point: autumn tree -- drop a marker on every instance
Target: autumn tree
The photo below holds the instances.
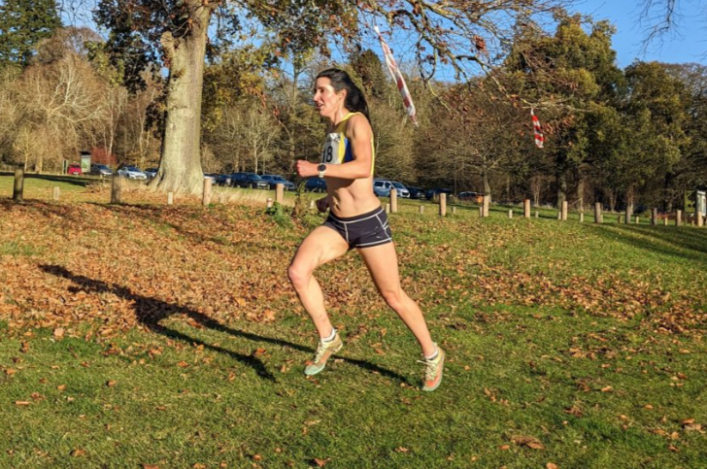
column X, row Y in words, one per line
column 573, row 75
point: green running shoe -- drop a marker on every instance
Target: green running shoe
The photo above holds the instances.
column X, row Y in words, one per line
column 324, row 351
column 433, row 371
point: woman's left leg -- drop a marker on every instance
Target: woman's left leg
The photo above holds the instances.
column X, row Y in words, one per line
column 382, row 263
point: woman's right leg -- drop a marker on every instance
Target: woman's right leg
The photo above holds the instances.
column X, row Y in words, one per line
column 321, row 246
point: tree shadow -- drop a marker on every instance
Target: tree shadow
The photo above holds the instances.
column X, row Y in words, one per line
column 150, row 311
column 682, row 242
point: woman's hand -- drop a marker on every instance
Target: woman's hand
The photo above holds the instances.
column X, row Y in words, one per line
column 323, row 204
column 306, row 169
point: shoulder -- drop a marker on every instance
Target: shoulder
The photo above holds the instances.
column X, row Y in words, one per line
column 358, row 126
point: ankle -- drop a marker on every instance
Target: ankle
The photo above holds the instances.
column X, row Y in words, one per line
column 330, row 337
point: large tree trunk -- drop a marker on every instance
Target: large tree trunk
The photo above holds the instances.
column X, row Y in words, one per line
column 180, row 164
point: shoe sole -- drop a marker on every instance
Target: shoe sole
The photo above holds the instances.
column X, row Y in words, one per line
column 319, row 370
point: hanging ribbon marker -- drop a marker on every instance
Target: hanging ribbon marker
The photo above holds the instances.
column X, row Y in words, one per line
column 539, row 138
column 397, row 78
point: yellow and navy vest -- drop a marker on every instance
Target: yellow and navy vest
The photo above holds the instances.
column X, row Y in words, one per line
column 337, row 148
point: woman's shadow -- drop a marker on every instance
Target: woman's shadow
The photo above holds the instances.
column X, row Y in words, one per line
column 150, row 312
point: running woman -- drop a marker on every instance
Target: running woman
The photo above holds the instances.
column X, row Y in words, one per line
column 356, row 220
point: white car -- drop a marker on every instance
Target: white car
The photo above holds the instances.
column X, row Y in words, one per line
column 402, row 191
column 131, row 172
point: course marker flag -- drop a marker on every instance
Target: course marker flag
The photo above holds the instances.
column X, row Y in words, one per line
column 398, row 78
column 539, row 138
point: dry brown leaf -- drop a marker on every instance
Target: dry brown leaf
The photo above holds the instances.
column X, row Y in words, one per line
column 78, row 452
column 320, row 462
column 527, row 441
column 110, row 383
column 150, row 466
column 22, row 403
column 182, row 364
column 59, row 332
column 550, row 466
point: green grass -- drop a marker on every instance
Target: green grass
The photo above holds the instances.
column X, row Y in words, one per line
column 605, row 385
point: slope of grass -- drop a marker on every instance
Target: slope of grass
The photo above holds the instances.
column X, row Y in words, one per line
column 152, row 336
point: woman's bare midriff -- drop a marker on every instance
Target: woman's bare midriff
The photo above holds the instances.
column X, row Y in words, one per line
column 349, row 198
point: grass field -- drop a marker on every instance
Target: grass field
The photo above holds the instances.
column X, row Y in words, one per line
column 148, row 336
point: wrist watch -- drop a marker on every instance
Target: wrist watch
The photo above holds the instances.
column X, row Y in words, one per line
column 322, row 169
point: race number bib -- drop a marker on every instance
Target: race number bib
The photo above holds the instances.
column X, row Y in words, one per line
column 332, row 149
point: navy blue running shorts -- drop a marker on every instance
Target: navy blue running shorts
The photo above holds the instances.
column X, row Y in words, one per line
column 362, row 231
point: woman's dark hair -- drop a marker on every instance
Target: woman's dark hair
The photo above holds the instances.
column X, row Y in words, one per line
column 340, row 80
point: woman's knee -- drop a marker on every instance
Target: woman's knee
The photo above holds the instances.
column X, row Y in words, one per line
column 299, row 275
column 394, row 298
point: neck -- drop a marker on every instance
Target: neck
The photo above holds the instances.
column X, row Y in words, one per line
column 339, row 116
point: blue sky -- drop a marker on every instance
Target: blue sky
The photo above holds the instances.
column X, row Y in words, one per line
column 687, row 44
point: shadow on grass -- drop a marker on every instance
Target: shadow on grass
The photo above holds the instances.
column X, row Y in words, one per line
column 682, row 242
column 150, row 312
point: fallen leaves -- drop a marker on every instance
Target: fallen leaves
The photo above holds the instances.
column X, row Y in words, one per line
column 527, row 441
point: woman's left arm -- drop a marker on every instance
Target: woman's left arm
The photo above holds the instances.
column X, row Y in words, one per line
column 360, row 136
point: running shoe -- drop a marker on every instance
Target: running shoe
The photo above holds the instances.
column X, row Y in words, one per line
column 324, row 351
column 433, row 371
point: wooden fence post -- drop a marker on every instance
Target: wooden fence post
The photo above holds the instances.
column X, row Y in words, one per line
column 443, row 204
column 454, row 209
column 311, row 205
column 19, row 189
column 678, row 218
column 422, row 209
column 268, row 202
column 665, row 220
column 654, row 216
column 565, row 208
column 170, row 198
column 56, row 193
column 559, row 214
column 481, row 211
column 510, row 213
column 581, row 217
column 279, row 193
column 537, row 214
column 116, row 189
column 206, row 196
column 394, row 200
column 526, row 208
column 487, row 203
column 597, row 212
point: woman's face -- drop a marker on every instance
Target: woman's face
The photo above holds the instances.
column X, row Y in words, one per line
column 327, row 101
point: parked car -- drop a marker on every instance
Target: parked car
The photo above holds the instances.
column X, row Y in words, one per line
column 151, row 172
column 402, row 191
column 433, row 193
column 248, row 180
column 469, row 196
column 223, row 179
column 315, row 184
column 382, row 187
column 274, row 179
column 416, row 192
column 74, row 170
column 101, row 170
column 131, row 172
column 211, row 176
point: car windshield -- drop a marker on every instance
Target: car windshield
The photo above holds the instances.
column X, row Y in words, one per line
column 398, row 185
